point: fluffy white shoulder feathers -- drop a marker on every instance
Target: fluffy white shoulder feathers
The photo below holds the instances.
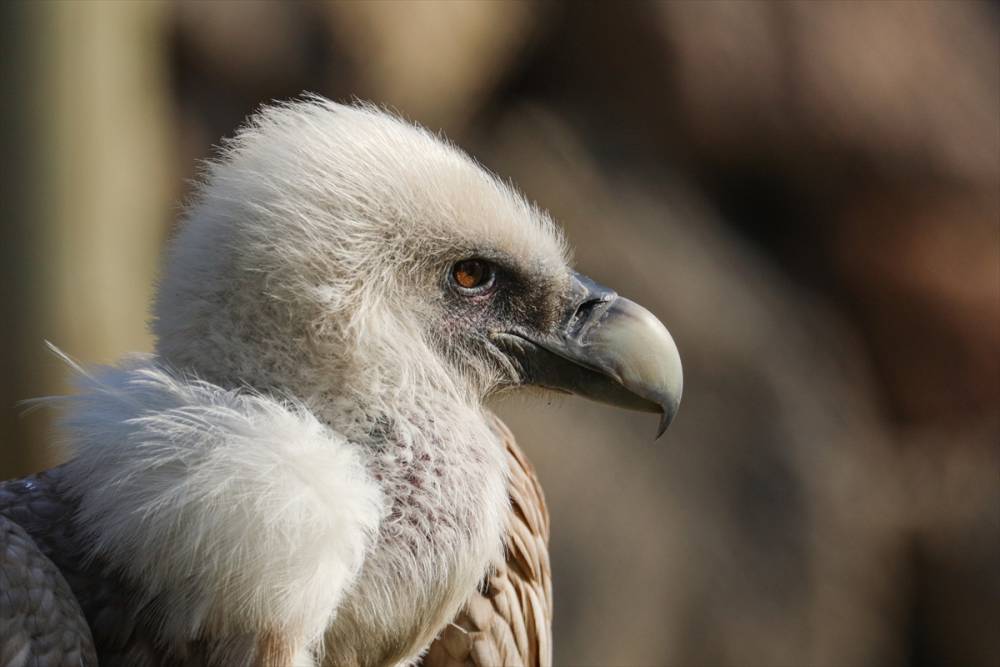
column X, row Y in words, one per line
column 219, row 500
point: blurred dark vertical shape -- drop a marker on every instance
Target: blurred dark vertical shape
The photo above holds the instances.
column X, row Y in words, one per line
column 22, row 269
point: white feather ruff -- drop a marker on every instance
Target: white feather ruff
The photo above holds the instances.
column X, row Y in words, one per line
column 239, row 512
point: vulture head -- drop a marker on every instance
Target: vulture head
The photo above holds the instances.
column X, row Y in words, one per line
column 307, row 456
column 353, row 259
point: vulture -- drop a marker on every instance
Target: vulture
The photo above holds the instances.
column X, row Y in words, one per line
column 304, row 471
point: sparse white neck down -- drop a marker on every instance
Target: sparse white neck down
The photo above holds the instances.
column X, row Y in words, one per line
column 248, row 514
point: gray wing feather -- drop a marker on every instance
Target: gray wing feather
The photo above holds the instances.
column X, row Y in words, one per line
column 41, row 623
column 105, row 607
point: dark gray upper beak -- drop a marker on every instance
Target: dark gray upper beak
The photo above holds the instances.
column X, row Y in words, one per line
column 606, row 348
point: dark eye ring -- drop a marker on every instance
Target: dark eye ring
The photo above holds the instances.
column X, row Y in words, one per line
column 472, row 276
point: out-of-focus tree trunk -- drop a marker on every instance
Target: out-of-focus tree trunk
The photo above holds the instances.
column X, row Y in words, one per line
column 83, row 199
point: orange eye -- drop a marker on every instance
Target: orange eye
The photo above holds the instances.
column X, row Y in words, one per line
column 472, row 275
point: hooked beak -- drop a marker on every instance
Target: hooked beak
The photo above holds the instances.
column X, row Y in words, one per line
column 605, row 348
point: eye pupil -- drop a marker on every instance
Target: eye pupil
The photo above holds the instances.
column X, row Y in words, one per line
column 471, row 274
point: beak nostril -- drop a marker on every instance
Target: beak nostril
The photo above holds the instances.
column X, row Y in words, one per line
column 583, row 314
column 584, row 308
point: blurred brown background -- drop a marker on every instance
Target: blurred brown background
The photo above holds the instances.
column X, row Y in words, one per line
column 807, row 193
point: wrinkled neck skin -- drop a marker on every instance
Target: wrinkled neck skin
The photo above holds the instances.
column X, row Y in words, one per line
column 443, row 472
column 444, row 475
